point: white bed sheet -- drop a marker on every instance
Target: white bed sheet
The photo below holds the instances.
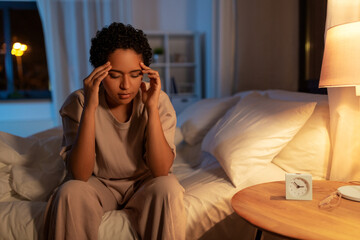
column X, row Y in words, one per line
column 207, row 201
column 209, row 191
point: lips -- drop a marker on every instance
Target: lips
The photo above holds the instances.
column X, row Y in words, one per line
column 124, row 95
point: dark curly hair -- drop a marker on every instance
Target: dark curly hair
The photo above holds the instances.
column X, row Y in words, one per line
column 118, row 36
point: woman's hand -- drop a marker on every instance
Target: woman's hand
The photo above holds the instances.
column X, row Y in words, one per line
column 150, row 97
column 92, row 83
column 159, row 154
column 82, row 153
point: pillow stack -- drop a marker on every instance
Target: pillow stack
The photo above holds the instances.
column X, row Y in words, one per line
column 252, row 129
column 252, row 133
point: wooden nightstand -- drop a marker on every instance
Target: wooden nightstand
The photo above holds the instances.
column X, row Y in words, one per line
column 264, row 206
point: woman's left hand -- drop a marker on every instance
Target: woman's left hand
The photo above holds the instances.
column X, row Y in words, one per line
column 150, row 97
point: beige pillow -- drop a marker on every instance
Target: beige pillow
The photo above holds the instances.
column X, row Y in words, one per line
column 309, row 150
column 252, row 133
column 197, row 119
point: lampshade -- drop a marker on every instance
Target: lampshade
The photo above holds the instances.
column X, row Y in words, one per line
column 341, row 61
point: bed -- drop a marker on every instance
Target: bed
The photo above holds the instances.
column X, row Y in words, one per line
column 223, row 146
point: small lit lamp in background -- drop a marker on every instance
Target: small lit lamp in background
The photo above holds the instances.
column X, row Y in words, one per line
column 341, row 68
column 18, row 50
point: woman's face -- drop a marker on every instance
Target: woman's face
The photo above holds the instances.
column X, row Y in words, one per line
column 124, row 78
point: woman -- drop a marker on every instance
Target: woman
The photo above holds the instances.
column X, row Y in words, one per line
column 118, row 146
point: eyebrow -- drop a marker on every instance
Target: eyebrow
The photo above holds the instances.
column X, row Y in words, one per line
column 118, row 71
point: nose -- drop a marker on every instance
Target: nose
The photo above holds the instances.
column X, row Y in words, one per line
column 125, row 82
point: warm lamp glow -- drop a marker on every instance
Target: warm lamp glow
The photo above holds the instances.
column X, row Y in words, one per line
column 18, row 49
column 23, row 47
column 341, row 61
column 17, row 52
column 16, row 45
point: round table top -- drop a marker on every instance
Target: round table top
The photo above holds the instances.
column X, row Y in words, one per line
column 264, row 206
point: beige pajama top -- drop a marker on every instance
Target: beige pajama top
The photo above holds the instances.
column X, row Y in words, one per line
column 120, row 147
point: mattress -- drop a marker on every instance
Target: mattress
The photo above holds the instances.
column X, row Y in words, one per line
column 208, row 192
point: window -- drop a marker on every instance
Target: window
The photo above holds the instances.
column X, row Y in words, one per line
column 23, row 66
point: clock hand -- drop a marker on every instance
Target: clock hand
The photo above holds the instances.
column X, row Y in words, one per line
column 297, row 185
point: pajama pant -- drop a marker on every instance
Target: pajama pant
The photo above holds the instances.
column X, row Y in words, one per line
column 155, row 209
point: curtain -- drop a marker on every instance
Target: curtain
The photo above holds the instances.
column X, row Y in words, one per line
column 224, row 44
column 68, row 29
column 344, row 106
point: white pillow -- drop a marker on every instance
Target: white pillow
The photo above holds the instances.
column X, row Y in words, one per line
column 197, row 119
column 252, row 133
column 311, row 145
column 36, row 168
column 309, row 150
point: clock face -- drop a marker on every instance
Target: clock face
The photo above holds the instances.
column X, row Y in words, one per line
column 298, row 187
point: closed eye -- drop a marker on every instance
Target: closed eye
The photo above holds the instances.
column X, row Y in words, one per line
column 114, row 75
column 135, row 74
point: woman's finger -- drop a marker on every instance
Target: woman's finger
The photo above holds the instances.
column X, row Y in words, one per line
column 99, row 79
column 97, row 72
column 143, row 66
column 143, row 87
column 151, row 72
column 148, row 70
column 99, row 69
column 154, row 76
column 98, row 75
column 101, row 73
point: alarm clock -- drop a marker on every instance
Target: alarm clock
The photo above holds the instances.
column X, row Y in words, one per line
column 298, row 186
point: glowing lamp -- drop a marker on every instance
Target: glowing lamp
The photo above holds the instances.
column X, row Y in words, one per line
column 18, row 49
column 341, row 61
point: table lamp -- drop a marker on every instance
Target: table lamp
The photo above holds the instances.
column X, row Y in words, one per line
column 341, row 61
column 341, row 68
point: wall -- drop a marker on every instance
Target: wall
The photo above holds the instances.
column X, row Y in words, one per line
column 269, row 40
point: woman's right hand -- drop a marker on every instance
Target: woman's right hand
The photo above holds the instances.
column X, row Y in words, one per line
column 92, row 83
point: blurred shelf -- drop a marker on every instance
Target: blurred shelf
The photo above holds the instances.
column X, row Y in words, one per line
column 179, row 66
